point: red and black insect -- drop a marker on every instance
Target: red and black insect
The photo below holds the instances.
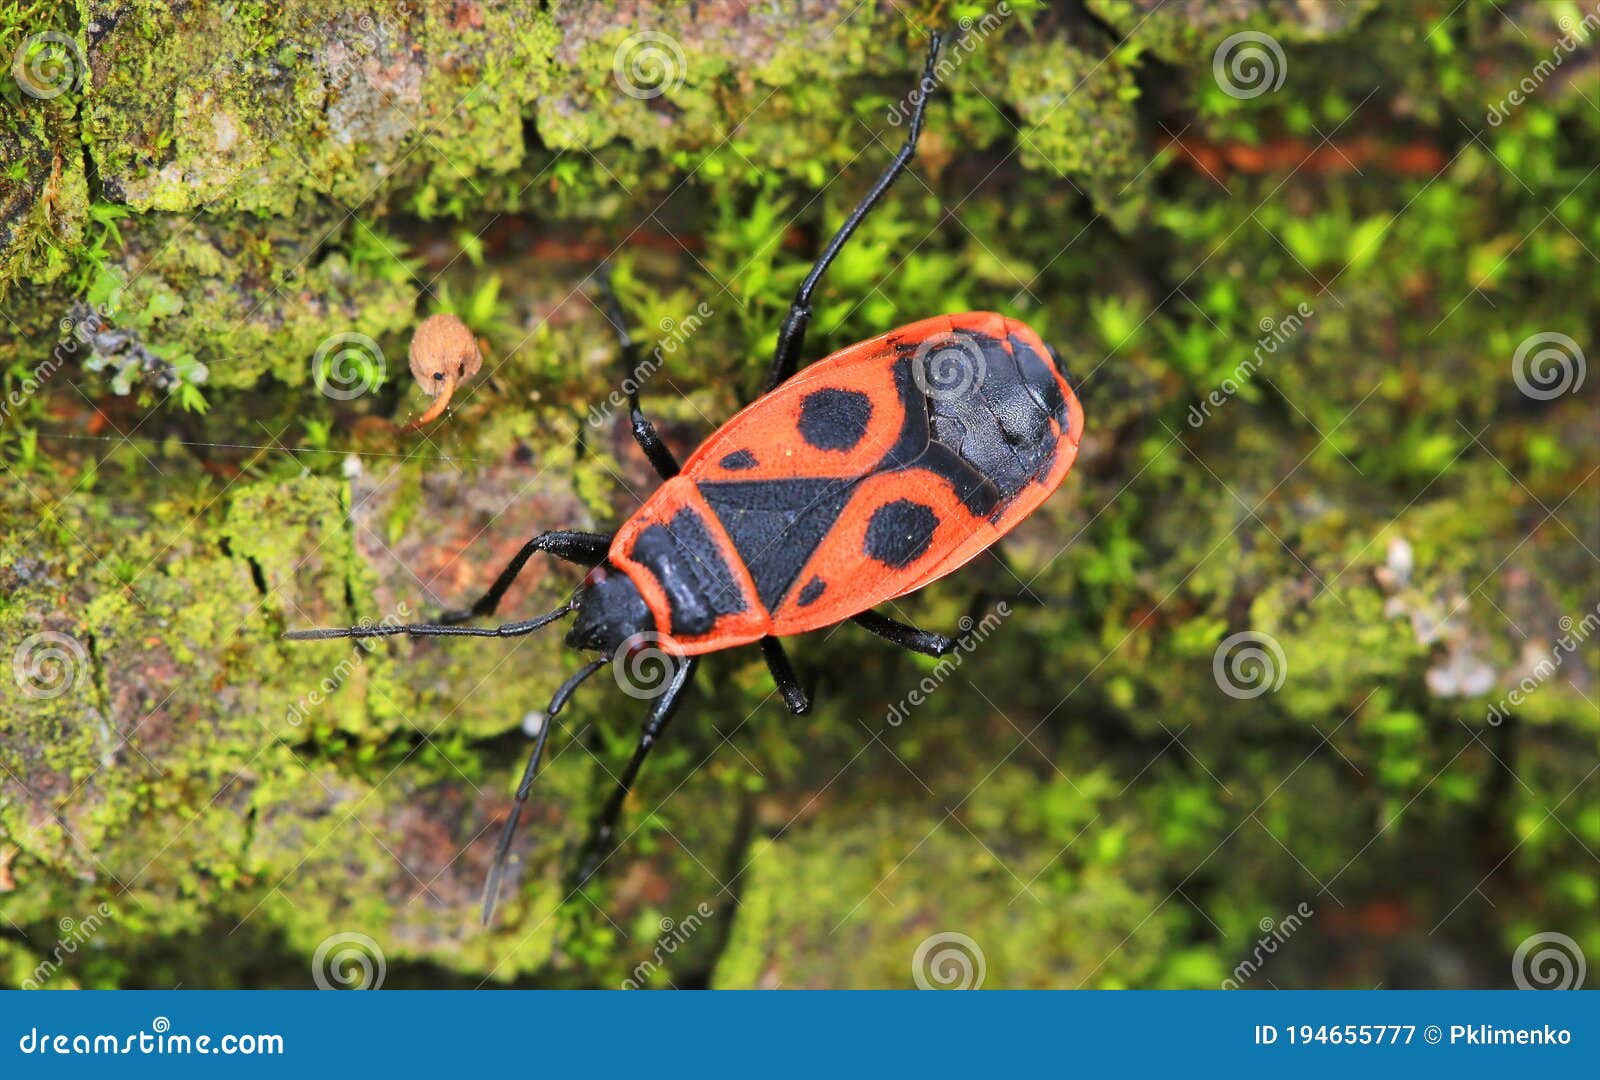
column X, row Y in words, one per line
column 862, row 478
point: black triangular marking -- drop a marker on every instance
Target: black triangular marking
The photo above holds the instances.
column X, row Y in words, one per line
column 776, row 524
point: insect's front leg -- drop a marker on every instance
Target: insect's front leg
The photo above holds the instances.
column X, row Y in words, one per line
column 792, row 336
column 583, row 548
column 644, row 432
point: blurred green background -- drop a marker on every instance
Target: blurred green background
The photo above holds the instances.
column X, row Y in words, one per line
column 1309, row 698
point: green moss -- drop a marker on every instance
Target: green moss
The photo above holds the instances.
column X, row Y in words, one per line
column 44, row 193
column 1186, row 33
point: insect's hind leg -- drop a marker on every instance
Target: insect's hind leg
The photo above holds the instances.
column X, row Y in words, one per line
column 661, row 713
column 583, row 548
column 791, row 338
column 644, row 432
column 794, row 696
column 907, row 637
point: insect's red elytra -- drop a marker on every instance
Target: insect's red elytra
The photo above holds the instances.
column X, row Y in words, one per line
column 868, row 475
column 864, row 477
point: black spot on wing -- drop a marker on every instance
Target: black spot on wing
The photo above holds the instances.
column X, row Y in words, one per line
column 812, row 592
column 899, row 532
column 700, row 586
column 739, row 459
column 776, row 524
column 834, row 419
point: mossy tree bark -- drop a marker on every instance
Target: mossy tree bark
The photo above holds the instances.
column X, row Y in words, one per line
column 1296, row 290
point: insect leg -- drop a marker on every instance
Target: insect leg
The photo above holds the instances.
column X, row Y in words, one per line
column 583, row 548
column 907, row 637
column 783, row 675
column 661, row 713
column 791, row 338
column 644, row 432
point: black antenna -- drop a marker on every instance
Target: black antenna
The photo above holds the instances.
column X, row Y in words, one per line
column 372, row 630
column 491, row 888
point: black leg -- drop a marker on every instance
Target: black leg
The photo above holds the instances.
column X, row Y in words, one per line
column 907, row 637
column 644, row 432
column 515, row 629
column 491, row 888
column 791, row 338
column 661, row 713
column 583, row 548
column 783, row 675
